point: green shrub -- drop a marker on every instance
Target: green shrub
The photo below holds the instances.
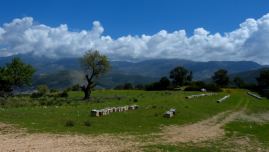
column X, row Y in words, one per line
column 135, row 100
column 17, row 104
column 63, row 94
column 49, row 103
column 68, row 101
column 69, row 123
column 50, row 95
column 42, row 103
column 68, row 89
column 87, row 123
column 42, row 89
column 76, row 87
column 52, row 90
column 2, row 102
column 119, row 87
column 37, row 95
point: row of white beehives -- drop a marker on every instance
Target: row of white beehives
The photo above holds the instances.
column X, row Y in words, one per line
column 254, row 96
column 220, row 100
column 200, row 95
column 170, row 113
column 107, row 111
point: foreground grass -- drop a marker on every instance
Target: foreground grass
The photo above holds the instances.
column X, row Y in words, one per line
column 148, row 118
column 50, row 115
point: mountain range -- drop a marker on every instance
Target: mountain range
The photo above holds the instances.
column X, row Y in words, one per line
column 149, row 68
column 60, row 73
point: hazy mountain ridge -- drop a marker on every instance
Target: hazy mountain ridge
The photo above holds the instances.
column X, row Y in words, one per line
column 149, row 68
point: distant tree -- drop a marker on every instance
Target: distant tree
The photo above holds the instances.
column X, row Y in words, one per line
column 164, row 81
column 238, row 82
column 200, row 83
column 52, row 90
column 119, row 87
column 15, row 75
column 68, row 89
column 178, row 75
column 93, row 64
column 42, row 89
column 153, row 86
column 139, row 87
column 190, row 77
column 221, row 77
column 263, row 79
column 128, row 86
column 76, row 87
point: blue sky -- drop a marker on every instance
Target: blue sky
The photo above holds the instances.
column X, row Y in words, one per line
column 168, row 28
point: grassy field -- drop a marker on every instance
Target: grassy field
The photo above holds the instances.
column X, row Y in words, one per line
column 50, row 115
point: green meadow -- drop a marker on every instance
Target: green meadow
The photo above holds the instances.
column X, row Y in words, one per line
column 51, row 115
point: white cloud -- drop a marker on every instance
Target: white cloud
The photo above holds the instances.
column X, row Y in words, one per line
column 249, row 42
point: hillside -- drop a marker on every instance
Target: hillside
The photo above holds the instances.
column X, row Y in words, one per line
column 149, row 68
column 60, row 80
column 247, row 76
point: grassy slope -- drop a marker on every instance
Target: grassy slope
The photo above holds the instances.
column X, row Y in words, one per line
column 145, row 120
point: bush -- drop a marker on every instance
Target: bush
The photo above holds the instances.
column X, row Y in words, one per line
column 135, row 100
column 87, row 123
column 2, row 102
column 42, row 89
column 68, row 89
column 69, row 123
column 200, row 84
column 42, row 103
column 49, row 103
column 63, row 94
column 139, row 87
column 119, row 87
column 76, row 87
column 37, row 95
column 52, row 90
column 128, row 86
column 153, row 86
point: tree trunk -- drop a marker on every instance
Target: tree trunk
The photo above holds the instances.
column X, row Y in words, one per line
column 87, row 94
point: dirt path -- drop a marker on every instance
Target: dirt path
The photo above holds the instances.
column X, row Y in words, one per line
column 12, row 139
column 203, row 130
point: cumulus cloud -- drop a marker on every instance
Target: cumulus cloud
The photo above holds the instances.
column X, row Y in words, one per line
column 249, row 42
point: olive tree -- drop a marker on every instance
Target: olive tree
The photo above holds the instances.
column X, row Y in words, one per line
column 15, row 75
column 93, row 65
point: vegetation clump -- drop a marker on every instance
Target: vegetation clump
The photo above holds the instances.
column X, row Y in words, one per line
column 87, row 123
column 69, row 123
column 198, row 85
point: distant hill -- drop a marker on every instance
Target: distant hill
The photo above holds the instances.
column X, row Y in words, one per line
column 60, row 80
column 247, row 76
column 201, row 70
column 149, row 68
